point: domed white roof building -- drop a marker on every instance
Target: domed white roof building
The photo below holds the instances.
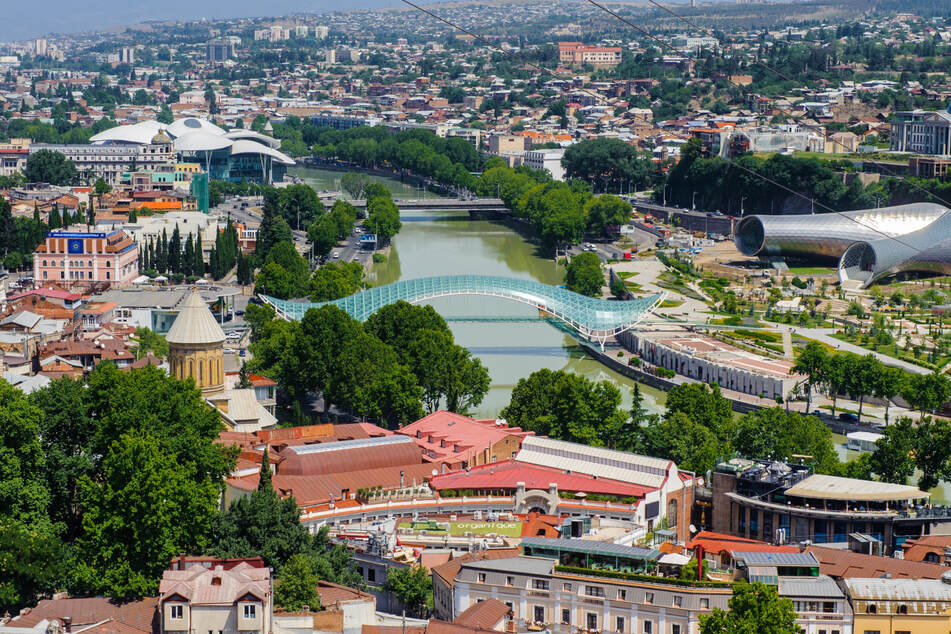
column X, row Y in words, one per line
column 196, row 345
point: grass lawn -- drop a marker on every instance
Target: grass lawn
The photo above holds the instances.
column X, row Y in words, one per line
column 671, row 303
column 812, row 270
column 894, row 351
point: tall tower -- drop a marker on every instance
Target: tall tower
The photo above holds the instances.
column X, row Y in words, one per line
column 196, row 345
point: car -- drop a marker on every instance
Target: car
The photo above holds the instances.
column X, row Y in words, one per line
column 336, row 254
column 242, row 352
column 848, row 417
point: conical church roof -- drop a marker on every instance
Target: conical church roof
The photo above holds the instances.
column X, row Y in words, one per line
column 195, row 324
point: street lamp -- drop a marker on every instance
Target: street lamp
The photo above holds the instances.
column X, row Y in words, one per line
column 693, row 201
column 741, row 205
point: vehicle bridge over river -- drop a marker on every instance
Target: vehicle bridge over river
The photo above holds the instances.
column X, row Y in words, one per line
column 594, row 319
column 443, row 204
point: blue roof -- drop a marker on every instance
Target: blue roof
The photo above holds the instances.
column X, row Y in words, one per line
column 590, row 316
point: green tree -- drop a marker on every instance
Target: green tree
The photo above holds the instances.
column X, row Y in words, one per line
column 755, row 607
column 933, row 451
column 323, row 234
column 927, row 392
column 604, row 211
column 778, row 434
column 704, row 404
column 297, row 586
column 30, row 564
column 584, row 275
column 354, row 184
column 101, row 187
column 888, row 384
column 335, row 280
column 813, row 363
column 383, row 219
column 125, row 547
column 413, row 586
column 48, row 166
column 565, row 406
column 273, row 229
column 150, row 341
column 689, row 443
column 893, row 460
column 24, row 496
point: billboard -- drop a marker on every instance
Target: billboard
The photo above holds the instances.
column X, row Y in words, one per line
column 75, row 246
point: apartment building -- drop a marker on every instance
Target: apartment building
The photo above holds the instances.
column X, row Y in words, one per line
column 901, row 606
column 216, row 597
column 542, row 594
column 110, row 162
column 546, row 160
column 576, row 54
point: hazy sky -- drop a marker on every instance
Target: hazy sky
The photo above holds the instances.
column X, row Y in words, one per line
column 23, row 19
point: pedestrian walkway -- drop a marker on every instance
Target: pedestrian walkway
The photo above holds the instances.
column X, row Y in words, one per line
column 823, row 335
column 787, row 346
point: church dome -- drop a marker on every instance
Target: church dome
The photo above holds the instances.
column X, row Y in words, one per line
column 195, row 325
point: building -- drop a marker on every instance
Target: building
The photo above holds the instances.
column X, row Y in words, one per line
column 87, row 257
column 921, row 132
column 195, row 346
column 127, row 55
column 508, row 143
column 546, row 160
column 709, row 360
column 211, row 596
column 461, row 442
column 221, row 49
column 919, row 606
column 13, row 156
column 577, row 54
column 786, row 503
column 110, row 162
column 927, row 167
column 541, row 593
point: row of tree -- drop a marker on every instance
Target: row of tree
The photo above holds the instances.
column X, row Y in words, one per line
column 19, row 236
column 386, row 369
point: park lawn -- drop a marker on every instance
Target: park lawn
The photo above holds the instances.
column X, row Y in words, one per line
column 671, row 303
column 895, row 352
column 812, row 270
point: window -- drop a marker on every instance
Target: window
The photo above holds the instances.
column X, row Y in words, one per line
column 622, row 595
column 704, row 604
column 566, row 616
column 591, row 619
column 538, row 613
column 371, row 574
column 539, row 584
column 828, row 607
column 902, row 609
column 648, row 627
column 594, row 591
column 675, row 628
column 871, row 608
column 510, row 581
column 678, row 602
column 176, row 612
column 250, row 611
column 902, row 632
column 481, row 577
column 873, row 632
column 619, row 624
column 649, row 597
column 567, row 587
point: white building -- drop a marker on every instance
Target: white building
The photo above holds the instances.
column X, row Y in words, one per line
column 546, row 160
column 921, row 132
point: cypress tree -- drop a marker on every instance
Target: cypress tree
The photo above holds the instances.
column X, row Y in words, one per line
column 264, row 482
column 188, row 256
column 213, row 264
column 198, row 264
column 55, row 220
column 175, row 251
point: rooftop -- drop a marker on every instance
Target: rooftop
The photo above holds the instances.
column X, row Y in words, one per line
column 195, row 324
column 596, row 461
column 590, row 547
column 447, row 436
column 899, row 589
column 836, row 488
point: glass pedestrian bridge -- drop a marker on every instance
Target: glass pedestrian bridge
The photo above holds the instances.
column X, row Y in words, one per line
column 595, row 319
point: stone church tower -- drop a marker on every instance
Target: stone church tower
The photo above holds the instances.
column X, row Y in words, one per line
column 195, row 346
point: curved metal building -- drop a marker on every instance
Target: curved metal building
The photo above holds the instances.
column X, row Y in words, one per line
column 925, row 250
column 827, row 236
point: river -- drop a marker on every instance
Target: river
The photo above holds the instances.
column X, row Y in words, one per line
column 451, row 243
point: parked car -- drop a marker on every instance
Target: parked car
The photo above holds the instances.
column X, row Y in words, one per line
column 848, row 417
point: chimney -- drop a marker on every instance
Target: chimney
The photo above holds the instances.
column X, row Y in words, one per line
column 68, row 624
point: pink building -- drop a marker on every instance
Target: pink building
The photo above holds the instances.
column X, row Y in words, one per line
column 87, row 257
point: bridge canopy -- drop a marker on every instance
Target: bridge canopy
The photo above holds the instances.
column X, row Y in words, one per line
column 594, row 318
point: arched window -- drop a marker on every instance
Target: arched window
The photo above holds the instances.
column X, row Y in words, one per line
column 191, row 368
column 872, row 608
column 201, row 372
column 903, row 609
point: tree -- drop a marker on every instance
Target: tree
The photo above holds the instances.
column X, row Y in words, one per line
column 778, row 434
column 447, row 371
column 335, row 280
column 297, row 586
column 133, row 216
column 605, row 211
column 888, row 384
column 101, row 187
column 413, row 586
column 24, row 496
column 933, row 451
column 244, row 273
column 150, row 341
column 125, row 547
column 262, row 524
column 608, row 164
column 323, row 234
column 55, row 220
column 704, row 404
column 755, row 607
column 893, row 460
column 584, row 275
column 273, row 229
column 244, row 377
column 860, row 378
column 565, row 406
column 813, row 363
column 354, row 184
column 299, row 204
column 927, row 392
column 284, row 274
column 48, row 166
column 689, row 443
column 383, row 218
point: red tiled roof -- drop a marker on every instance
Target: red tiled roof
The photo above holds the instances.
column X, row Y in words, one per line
column 136, row 616
column 47, row 292
column 720, row 542
column 445, row 435
column 845, row 564
column 483, row 615
column 917, row 549
column 331, row 593
column 508, row 473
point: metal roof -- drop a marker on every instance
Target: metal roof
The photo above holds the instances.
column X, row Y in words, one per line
column 821, row 587
column 826, row 487
column 592, row 547
column 590, row 316
column 517, row 564
column 195, row 324
column 899, row 589
column 777, row 559
column 604, row 463
column 350, row 444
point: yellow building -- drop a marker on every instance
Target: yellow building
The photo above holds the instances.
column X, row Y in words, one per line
column 196, row 345
column 901, row 606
